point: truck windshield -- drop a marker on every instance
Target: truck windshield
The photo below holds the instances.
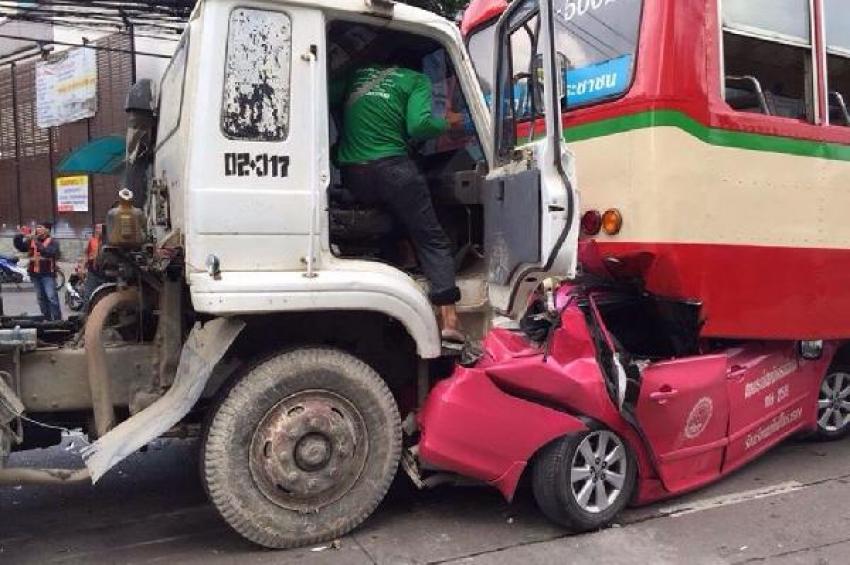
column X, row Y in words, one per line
column 597, row 42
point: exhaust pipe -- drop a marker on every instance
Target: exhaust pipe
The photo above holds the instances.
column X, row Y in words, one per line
column 99, row 382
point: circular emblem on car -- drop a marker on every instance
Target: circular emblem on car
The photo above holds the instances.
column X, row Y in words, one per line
column 699, row 418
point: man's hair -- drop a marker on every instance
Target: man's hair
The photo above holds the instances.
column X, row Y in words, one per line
column 407, row 58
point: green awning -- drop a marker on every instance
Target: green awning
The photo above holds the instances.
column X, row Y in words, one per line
column 104, row 155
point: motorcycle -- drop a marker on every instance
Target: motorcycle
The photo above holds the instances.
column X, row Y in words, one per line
column 74, row 292
column 11, row 271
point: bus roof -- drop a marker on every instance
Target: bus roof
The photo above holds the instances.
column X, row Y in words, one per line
column 479, row 12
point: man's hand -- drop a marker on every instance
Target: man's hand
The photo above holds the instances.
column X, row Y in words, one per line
column 455, row 120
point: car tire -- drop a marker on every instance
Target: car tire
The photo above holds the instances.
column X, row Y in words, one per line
column 302, row 448
column 561, row 472
column 833, row 410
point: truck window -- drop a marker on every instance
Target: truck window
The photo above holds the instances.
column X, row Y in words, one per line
column 519, row 78
column 481, row 46
column 768, row 57
column 171, row 91
column 256, row 76
column 838, row 60
column 597, row 43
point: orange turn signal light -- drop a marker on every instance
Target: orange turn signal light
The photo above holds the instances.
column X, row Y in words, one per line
column 612, row 221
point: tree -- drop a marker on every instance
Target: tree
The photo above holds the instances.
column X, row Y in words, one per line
column 447, row 8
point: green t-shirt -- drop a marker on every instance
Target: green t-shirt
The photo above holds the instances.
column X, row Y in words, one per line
column 381, row 121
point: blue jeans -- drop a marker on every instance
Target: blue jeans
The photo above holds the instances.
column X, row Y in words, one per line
column 397, row 185
column 48, row 297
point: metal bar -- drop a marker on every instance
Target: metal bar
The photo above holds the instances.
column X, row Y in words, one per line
column 54, row 197
column 21, row 476
column 132, row 33
column 90, row 183
column 16, row 127
column 86, row 46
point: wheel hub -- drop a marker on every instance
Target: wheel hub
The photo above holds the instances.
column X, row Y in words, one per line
column 834, row 402
column 312, row 452
column 598, row 471
column 308, row 450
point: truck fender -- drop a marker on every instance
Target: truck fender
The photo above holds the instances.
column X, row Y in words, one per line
column 369, row 287
column 203, row 350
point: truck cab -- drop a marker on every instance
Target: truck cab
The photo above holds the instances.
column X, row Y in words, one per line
column 252, row 304
column 245, row 146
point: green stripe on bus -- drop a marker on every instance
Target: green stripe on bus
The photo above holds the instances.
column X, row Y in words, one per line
column 714, row 136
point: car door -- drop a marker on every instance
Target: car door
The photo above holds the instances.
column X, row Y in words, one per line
column 530, row 198
column 768, row 396
column 683, row 410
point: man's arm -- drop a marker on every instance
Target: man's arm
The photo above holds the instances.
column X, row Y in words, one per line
column 337, row 90
column 21, row 243
column 421, row 124
column 51, row 250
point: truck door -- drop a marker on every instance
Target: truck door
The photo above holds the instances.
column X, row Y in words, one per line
column 257, row 161
column 683, row 410
column 530, row 200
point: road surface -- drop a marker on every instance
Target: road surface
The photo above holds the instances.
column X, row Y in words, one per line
column 792, row 506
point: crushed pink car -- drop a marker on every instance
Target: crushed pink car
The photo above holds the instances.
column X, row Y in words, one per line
column 603, row 411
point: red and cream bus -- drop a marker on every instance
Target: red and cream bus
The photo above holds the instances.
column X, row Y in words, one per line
column 720, row 132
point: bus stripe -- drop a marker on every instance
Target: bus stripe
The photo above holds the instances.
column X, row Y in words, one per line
column 713, row 136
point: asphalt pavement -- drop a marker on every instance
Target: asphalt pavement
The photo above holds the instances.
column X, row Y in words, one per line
column 791, row 506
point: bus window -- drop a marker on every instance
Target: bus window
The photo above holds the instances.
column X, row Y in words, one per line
column 838, row 60
column 768, row 57
column 597, row 43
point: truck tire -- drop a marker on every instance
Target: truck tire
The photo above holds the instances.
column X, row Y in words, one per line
column 302, row 448
column 598, row 460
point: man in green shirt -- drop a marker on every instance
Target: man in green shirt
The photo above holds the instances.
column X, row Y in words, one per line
column 387, row 107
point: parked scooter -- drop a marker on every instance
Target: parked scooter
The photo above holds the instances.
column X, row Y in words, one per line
column 74, row 292
column 11, row 271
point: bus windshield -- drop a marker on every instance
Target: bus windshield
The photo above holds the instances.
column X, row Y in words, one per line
column 597, row 43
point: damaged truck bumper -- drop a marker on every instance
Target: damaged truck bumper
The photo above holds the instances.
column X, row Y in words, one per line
column 471, row 427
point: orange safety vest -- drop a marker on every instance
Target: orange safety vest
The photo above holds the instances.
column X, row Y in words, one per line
column 92, row 247
column 36, row 258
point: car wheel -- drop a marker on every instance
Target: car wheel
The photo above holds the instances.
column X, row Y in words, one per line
column 582, row 481
column 302, row 448
column 834, row 405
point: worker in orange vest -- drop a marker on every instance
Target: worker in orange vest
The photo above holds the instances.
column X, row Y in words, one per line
column 43, row 251
column 94, row 276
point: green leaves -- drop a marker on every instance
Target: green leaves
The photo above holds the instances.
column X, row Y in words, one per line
column 447, row 8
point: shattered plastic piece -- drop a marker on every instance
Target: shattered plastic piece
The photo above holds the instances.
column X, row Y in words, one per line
column 204, row 348
column 335, row 544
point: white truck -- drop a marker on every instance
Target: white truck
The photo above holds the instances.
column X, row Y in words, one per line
column 253, row 308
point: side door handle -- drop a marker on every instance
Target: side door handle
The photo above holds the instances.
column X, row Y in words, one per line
column 664, row 395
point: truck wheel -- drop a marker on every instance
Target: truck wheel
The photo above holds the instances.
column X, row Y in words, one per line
column 582, row 481
column 834, row 405
column 302, row 449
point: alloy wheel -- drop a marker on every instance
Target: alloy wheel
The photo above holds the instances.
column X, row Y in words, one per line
column 834, row 402
column 598, row 471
